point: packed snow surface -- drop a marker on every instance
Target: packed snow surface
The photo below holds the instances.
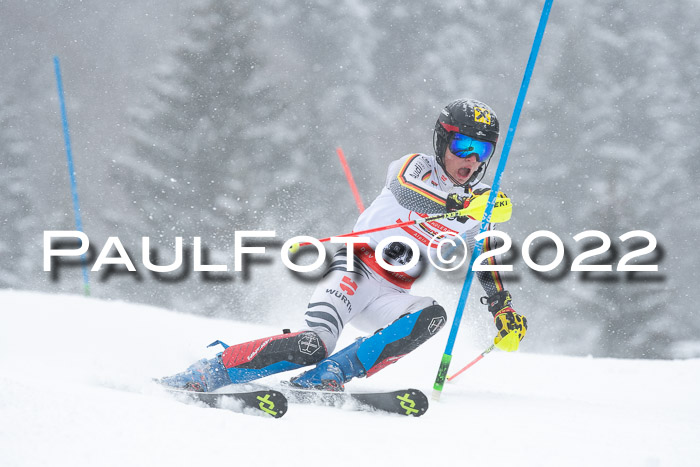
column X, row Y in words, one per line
column 76, row 390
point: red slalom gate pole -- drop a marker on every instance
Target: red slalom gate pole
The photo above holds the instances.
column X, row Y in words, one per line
column 351, row 181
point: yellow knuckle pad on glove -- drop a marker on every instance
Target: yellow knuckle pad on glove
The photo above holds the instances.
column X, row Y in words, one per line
column 511, row 329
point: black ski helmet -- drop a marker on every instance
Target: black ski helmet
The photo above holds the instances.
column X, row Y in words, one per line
column 468, row 117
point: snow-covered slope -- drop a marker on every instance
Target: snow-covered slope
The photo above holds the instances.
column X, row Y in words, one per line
column 75, row 390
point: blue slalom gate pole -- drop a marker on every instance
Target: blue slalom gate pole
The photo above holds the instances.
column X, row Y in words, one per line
column 447, row 356
column 71, row 169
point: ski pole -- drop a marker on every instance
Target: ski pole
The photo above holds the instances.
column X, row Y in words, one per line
column 447, row 355
column 501, row 214
column 472, row 363
column 351, row 180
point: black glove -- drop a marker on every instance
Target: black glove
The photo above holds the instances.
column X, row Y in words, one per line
column 511, row 325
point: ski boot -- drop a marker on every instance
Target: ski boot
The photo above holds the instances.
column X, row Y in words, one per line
column 366, row 356
column 202, row 376
column 333, row 372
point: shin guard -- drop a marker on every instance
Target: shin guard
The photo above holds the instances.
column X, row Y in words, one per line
column 256, row 359
column 399, row 338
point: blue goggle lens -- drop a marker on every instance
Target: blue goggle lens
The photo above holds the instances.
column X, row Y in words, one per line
column 466, row 146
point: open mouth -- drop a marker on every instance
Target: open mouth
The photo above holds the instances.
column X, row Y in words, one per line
column 464, row 172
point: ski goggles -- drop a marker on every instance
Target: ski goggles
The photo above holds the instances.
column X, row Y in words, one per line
column 466, row 146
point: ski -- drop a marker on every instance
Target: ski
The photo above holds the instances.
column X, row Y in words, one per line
column 267, row 402
column 408, row 402
column 255, row 398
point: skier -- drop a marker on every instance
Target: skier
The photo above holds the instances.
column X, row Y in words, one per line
column 464, row 139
